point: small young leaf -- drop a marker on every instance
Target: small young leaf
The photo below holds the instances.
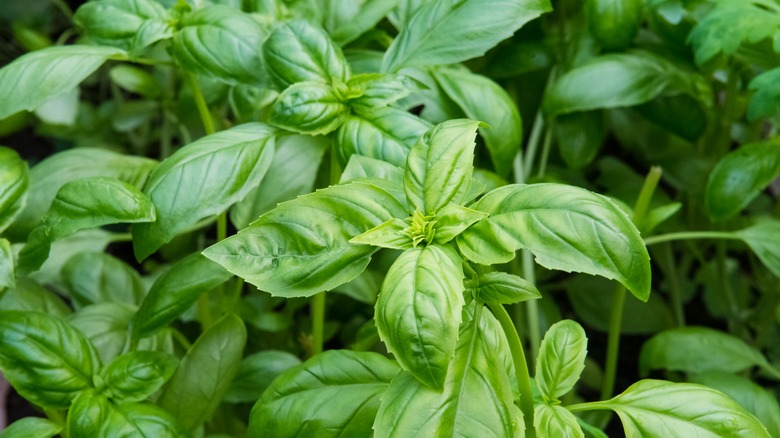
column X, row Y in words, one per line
column 453, row 219
column 377, row 90
column 44, row 74
column 94, row 277
column 554, row 421
column 202, row 179
column 299, row 402
column 387, row 235
column 87, row 414
column 503, row 288
column 136, row 375
column 256, row 373
column 311, row 108
column 7, row 277
column 47, row 361
column 561, row 359
column 765, row 101
column 117, row 22
column 764, row 239
column 419, row 310
column 14, row 180
column 205, row 373
column 31, row 427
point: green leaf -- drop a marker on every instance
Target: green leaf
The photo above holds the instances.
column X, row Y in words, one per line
column 221, row 43
column 89, row 411
column 136, row 375
column 176, row 291
column 614, row 23
column 765, row 101
column 298, row 51
column 346, row 21
column 579, row 137
column 31, row 296
column 439, row 166
column 132, row 419
column 377, row 90
column 482, row 99
column 95, row 277
column 387, row 235
column 555, row 421
column 476, row 399
column 47, row 361
column 301, row 247
column 311, row 108
column 63, row 249
column 135, row 80
column 14, row 180
column 419, row 310
column 205, row 373
column 565, row 227
column 118, row 22
column 299, row 403
column 503, row 288
column 292, row 173
column 367, row 167
column 31, row 427
column 452, row 220
column 476, row 25
column 39, row 76
column 7, row 277
column 202, row 179
column 385, row 134
column 561, row 359
column 764, row 239
column 656, row 409
column 256, row 373
column 739, row 177
column 698, row 350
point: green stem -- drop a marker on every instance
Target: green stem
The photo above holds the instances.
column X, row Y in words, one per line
column 531, row 308
column 727, row 294
column 646, row 195
column 183, row 341
column 64, row 8
column 200, row 103
column 532, row 146
column 57, row 416
column 690, row 235
column 317, row 322
column 548, row 134
column 521, row 367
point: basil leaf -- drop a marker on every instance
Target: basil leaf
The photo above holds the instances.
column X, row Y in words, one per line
column 136, row 375
column 7, row 277
column 359, row 166
column 419, row 310
column 135, row 80
column 552, row 421
column 503, row 288
column 482, row 99
column 739, row 177
column 31, row 296
column 476, row 399
column 117, row 22
column 201, row 179
column 477, row 25
column 764, row 239
column 566, row 228
column 387, row 235
column 14, row 180
column 452, row 220
column 280, row 254
column 561, row 359
column 346, row 21
column 765, row 101
column 31, row 427
column 700, row 349
column 205, row 373
column 579, row 136
column 256, row 373
column 377, row 90
column 298, row 51
column 439, row 166
column 94, row 277
column 311, row 108
column 136, row 419
column 47, row 361
column 175, row 291
column 614, row 23
column 384, row 133
column 222, row 43
column 39, row 76
column 87, row 414
column 63, row 249
column 299, row 402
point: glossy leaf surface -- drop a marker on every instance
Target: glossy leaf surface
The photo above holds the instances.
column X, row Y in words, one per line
column 93, row 277
column 7, row 277
column 137, row 375
column 502, row 288
column 553, row 421
column 31, row 427
column 561, row 359
column 14, row 180
column 119, row 23
column 311, row 108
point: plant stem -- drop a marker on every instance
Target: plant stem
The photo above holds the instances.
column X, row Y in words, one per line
column 521, row 367
column 64, row 8
column 317, row 322
column 57, row 416
column 532, row 146
column 531, row 307
column 689, row 235
column 200, row 103
column 548, row 133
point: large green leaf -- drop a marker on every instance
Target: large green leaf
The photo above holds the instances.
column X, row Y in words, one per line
column 205, row 373
column 565, row 227
column 476, row 25
column 439, row 166
column 222, row 43
column 126, row 24
column 137, row 375
column 256, row 373
column 554, row 421
column 561, row 359
column 94, row 416
column 14, row 180
column 299, row 403
column 47, row 361
column 346, row 21
column 202, row 179
column 28, row 295
column 31, row 427
column 764, row 239
column 482, row 99
column 419, row 310
column 87, row 414
column 476, row 400
column 301, row 247
column 310, row 107
column 95, row 277
column 39, row 76
column 739, row 177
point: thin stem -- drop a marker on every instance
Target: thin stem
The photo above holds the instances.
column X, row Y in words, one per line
column 613, row 341
column 317, row 322
column 690, row 235
column 532, row 146
column 521, row 367
column 531, row 308
column 646, row 195
column 200, row 103
column 64, row 8
column 548, row 134
column 724, row 284
column 183, row 341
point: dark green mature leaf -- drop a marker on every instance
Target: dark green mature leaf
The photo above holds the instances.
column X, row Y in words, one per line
column 223, row 43
column 731, row 24
column 95, row 277
column 31, row 427
column 346, row 21
column 47, row 361
column 299, row 403
column 136, row 375
column 301, row 247
column 205, row 373
column 614, row 23
column 28, row 295
column 476, row 25
column 39, row 76
column 119, row 23
column 87, row 414
column 310, row 107
column 503, row 288
column 202, row 179
column 739, row 177
column 579, row 137
column 385, row 134
column 51, row 174
column 565, row 227
column 256, row 373
column 554, row 421
column 764, row 239
column 482, row 99
column 14, row 180
column 419, row 310
column 561, row 359
column 700, row 349
column 175, row 291
column 298, row 51
column 476, row 400
column 439, row 166
column 660, row 409
column 765, row 101
column 7, row 277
